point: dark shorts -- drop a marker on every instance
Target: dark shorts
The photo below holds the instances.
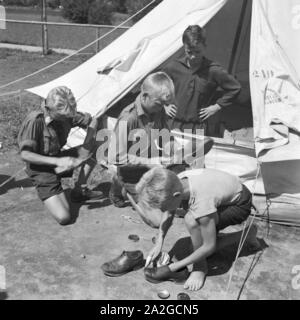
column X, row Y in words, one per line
column 44, row 178
column 237, row 213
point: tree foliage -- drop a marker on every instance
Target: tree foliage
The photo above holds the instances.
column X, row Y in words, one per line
column 76, row 10
column 134, row 6
column 100, row 12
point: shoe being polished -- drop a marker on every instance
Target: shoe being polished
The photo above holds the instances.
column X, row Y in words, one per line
column 164, row 273
column 117, row 200
column 126, row 262
column 85, row 194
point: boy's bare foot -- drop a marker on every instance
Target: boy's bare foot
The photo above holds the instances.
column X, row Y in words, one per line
column 195, row 281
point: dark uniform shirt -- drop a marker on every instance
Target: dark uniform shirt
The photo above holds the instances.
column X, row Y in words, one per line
column 133, row 122
column 196, row 89
column 48, row 139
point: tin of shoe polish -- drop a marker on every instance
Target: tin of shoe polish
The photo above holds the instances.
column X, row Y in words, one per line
column 163, row 294
column 183, row 296
column 134, row 237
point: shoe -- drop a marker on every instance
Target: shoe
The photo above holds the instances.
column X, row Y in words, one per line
column 85, row 194
column 117, row 200
column 126, row 262
column 156, row 275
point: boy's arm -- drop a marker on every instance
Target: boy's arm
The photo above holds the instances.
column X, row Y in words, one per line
column 207, row 232
column 91, row 130
column 231, row 89
column 165, row 224
column 35, row 158
column 229, row 84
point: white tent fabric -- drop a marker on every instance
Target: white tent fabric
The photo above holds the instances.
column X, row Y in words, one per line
column 274, row 68
column 275, row 94
column 274, row 72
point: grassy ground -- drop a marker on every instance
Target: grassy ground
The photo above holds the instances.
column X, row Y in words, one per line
column 13, row 65
column 69, row 37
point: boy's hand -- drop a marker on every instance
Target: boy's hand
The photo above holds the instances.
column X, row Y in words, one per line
column 171, row 110
column 94, row 123
column 153, row 254
column 67, row 163
column 205, row 113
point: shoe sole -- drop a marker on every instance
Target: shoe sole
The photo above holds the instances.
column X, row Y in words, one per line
column 114, row 275
column 176, row 281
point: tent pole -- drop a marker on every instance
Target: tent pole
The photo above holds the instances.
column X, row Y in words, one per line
column 236, row 43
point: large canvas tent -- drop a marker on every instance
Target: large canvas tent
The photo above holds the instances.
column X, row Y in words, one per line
column 271, row 169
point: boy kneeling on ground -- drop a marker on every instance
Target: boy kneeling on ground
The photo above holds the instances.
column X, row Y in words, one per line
column 216, row 200
column 42, row 135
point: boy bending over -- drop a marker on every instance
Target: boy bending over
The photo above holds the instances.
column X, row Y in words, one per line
column 216, row 200
column 42, row 135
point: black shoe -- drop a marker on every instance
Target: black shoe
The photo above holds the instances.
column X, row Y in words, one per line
column 126, row 262
column 85, row 194
column 117, row 200
column 160, row 274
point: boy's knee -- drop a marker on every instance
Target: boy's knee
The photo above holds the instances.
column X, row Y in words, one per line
column 63, row 221
column 63, row 217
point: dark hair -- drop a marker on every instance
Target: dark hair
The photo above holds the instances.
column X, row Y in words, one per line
column 193, row 35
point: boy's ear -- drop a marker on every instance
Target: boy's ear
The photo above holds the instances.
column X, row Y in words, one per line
column 47, row 108
column 144, row 95
column 176, row 194
column 43, row 103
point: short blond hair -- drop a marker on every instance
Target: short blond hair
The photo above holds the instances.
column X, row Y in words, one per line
column 161, row 84
column 61, row 100
column 157, row 187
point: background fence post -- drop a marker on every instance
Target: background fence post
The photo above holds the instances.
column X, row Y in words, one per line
column 44, row 28
column 2, row 17
column 97, row 37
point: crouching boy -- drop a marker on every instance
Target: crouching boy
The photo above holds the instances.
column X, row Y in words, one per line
column 216, row 200
column 42, row 135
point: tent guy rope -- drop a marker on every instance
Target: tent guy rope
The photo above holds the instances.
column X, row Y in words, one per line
column 243, row 238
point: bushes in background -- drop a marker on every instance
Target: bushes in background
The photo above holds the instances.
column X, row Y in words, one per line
column 23, row 3
column 76, row 10
column 53, row 4
column 134, row 6
column 101, row 11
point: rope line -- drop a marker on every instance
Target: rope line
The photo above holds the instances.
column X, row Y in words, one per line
column 9, row 93
column 243, row 239
column 257, row 256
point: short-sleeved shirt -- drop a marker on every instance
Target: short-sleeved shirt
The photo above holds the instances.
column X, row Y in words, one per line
column 48, row 139
column 133, row 121
column 211, row 189
column 195, row 89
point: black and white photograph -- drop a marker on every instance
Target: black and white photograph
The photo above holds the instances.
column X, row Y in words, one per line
column 149, row 152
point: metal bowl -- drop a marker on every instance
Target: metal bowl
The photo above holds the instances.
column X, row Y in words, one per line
column 134, row 237
column 183, row 296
